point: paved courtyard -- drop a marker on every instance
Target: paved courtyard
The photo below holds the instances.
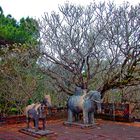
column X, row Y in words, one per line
column 104, row 130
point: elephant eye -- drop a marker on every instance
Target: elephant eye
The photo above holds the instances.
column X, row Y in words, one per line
column 42, row 107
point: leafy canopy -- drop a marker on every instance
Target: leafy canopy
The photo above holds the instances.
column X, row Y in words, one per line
column 11, row 31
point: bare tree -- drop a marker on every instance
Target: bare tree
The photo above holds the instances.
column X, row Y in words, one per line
column 122, row 41
column 83, row 44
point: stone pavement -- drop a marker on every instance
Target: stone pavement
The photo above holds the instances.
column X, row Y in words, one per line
column 104, row 130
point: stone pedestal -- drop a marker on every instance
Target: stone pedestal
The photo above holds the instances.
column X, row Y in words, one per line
column 39, row 133
column 78, row 124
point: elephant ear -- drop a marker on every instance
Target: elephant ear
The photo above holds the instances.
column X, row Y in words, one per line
column 89, row 95
column 96, row 96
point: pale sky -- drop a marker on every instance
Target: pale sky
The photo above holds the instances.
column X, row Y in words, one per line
column 36, row 8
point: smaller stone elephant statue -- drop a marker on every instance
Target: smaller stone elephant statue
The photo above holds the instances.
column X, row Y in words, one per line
column 84, row 103
column 37, row 111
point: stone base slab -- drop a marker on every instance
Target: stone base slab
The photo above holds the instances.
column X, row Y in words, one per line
column 81, row 125
column 39, row 133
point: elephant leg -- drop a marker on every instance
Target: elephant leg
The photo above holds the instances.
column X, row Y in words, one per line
column 36, row 124
column 28, row 122
column 44, row 123
column 85, row 117
column 91, row 118
column 70, row 115
column 76, row 116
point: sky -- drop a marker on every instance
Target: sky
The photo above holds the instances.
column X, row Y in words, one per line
column 37, row 8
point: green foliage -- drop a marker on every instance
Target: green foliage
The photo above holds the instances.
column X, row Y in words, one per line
column 14, row 110
column 12, row 31
column 30, row 101
column 84, row 74
column 113, row 96
column 21, row 82
column 18, row 77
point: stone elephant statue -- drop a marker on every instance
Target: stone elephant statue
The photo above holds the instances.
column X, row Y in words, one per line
column 84, row 103
column 37, row 111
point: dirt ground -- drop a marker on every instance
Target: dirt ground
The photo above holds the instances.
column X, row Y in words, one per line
column 104, row 130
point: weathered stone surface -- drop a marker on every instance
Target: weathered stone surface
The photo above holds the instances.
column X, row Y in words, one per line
column 81, row 125
column 32, row 132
